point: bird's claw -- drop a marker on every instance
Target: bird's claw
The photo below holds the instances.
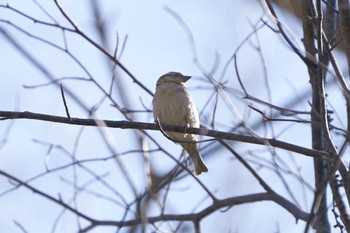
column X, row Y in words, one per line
column 185, row 128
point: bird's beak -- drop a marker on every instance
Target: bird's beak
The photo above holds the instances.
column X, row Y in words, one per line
column 185, row 78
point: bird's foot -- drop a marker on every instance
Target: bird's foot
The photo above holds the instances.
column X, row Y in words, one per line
column 185, row 128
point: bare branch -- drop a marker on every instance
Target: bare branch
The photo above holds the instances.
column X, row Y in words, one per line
column 6, row 115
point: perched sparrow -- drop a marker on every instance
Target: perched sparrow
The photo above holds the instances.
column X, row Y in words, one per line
column 173, row 105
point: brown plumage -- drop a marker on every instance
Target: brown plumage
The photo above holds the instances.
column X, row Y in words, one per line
column 173, row 105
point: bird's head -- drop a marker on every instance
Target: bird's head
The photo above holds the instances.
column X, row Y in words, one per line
column 173, row 77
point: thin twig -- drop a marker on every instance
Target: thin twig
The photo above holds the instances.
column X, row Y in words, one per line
column 47, row 196
column 65, row 102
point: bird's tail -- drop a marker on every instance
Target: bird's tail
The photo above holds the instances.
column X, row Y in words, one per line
column 198, row 163
column 200, row 166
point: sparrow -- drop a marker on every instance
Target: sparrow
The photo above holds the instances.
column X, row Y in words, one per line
column 173, row 105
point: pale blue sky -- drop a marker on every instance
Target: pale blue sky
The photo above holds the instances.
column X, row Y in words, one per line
column 156, row 43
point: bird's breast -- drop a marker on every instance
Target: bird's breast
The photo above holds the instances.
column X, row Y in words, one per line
column 172, row 104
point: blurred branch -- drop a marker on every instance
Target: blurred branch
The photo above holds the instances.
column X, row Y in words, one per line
column 100, row 48
column 47, row 196
column 78, row 31
column 48, row 75
column 159, row 188
column 344, row 16
column 344, row 24
column 194, row 217
column 286, row 36
column 340, row 203
column 311, row 24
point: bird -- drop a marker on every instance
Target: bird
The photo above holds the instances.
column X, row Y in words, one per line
column 173, row 105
